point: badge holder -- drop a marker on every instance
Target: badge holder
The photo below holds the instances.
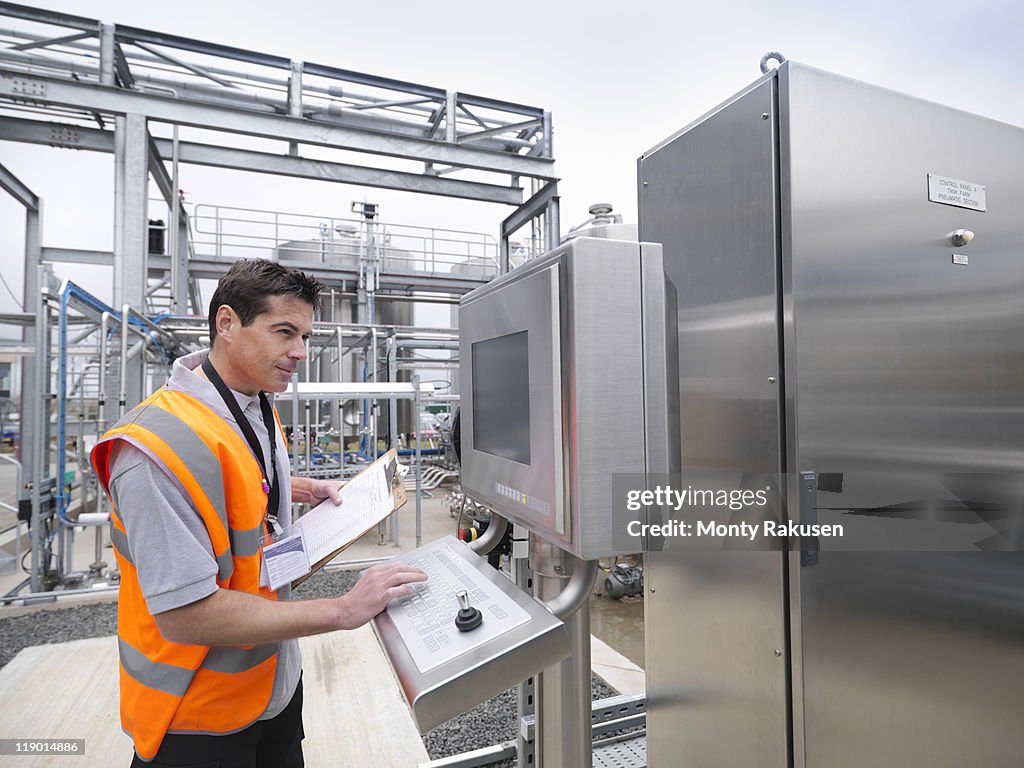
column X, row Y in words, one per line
column 284, row 556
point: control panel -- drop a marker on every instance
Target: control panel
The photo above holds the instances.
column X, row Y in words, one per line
column 465, row 635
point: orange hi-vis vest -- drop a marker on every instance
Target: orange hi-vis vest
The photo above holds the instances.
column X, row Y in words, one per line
column 169, row 687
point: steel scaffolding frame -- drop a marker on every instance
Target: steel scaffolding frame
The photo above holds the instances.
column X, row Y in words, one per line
column 84, row 351
column 72, row 82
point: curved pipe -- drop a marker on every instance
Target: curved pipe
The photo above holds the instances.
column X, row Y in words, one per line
column 495, row 531
column 576, row 592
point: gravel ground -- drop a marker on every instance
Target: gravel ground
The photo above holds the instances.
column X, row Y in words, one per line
column 55, row 626
column 492, row 722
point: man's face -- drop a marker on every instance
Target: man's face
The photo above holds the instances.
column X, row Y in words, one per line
column 265, row 354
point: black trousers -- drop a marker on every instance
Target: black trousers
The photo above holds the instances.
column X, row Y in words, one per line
column 274, row 743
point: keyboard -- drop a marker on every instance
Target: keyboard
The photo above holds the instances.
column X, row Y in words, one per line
column 426, row 619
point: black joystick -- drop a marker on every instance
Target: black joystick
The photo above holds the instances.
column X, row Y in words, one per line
column 468, row 618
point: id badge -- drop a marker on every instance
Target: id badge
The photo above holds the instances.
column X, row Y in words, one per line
column 285, row 558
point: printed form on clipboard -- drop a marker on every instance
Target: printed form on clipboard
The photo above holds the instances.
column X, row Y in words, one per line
column 367, row 499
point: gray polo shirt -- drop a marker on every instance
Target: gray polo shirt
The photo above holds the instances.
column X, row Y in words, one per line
column 166, row 535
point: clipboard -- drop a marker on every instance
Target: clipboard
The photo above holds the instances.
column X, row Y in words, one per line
column 367, row 499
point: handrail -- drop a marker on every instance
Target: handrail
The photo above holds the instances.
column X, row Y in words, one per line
column 228, row 231
column 492, row 536
column 576, row 592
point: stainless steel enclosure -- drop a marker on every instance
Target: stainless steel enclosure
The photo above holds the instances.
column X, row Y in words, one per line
column 566, row 363
column 829, row 324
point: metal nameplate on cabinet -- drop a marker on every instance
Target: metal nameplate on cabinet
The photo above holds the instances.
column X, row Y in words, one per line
column 444, row 671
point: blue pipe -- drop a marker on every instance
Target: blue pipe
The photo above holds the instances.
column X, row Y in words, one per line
column 68, row 290
column 401, row 452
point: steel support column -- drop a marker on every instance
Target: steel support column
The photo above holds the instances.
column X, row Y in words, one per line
column 29, row 336
column 179, row 265
column 544, row 202
column 552, row 226
column 131, row 183
column 107, row 41
column 30, row 292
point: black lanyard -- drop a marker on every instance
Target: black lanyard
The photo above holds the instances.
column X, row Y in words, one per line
column 270, row 485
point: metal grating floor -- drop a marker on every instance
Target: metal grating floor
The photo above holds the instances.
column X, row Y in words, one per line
column 623, row 754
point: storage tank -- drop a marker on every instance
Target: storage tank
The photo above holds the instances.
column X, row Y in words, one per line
column 344, row 247
column 479, row 267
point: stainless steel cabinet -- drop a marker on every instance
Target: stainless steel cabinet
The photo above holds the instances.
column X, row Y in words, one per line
column 828, row 323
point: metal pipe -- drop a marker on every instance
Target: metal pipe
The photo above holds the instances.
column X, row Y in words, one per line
column 136, row 349
column 341, row 404
column 146, row 321
column 41, row 421
column 318, row 361
column 101, row 403
column 85, row 334
column 475, row 758
column 172, row 244
column 17, row 484
column 492, row 536
column 122, row 397
column 295, row 427
column 576, row 592
column 419, row 462
column 563, row 735
column 428, row 344
column 51, row 597
column 373, row 410
column 326, row 328
column 101, row 396
column 393, row 423
column 156, row 288
column 306, row 407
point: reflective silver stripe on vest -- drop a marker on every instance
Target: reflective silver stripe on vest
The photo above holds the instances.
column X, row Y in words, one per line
column 246, row 543
column 193, row 452
column 118, row 538
column 154, row 674
column 232, row 660
column 200, row 461
column 225, row 565
column 120, row 542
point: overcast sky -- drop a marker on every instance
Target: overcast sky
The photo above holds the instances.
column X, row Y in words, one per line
column 617, row 77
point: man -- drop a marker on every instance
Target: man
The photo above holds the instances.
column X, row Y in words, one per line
column 197, row 474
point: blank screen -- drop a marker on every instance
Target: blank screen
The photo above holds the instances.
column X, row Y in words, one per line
column 501, row 397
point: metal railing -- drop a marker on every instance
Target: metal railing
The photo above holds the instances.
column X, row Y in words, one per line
column 230, row 232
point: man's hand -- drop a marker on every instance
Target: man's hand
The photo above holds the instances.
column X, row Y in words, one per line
column 306, row 490
column 228, row 617
column 377, row 587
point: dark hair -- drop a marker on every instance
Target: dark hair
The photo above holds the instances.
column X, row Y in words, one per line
column 249, row 282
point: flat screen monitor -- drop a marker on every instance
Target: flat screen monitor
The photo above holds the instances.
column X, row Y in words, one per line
column 501, row 396
column 562, row 362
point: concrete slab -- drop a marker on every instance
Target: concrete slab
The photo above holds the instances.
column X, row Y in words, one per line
column 614, row 668
column 65, row 691
column 354, row 713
